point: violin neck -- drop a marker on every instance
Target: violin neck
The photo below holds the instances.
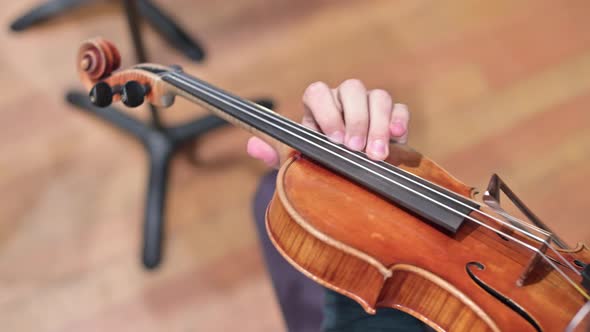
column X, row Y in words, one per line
column 394, row 184
column 248, row 115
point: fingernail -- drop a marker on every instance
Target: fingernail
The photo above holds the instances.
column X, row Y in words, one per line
column 398, row 129
column 379, row 148
column 337, row 137
column 356, row 143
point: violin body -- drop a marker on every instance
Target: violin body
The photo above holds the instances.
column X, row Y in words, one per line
column 354, row 242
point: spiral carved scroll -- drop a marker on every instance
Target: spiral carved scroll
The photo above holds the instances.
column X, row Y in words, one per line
column 97, row 59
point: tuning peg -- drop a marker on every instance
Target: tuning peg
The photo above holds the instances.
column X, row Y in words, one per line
column 133, row 93
column 101, row 94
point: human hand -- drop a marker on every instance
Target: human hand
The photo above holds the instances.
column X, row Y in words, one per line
column 360, row 119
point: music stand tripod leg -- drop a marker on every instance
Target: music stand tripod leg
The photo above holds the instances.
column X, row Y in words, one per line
column 44, row 12
column 170, row 31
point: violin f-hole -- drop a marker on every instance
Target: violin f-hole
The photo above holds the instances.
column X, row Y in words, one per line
column 506, row 301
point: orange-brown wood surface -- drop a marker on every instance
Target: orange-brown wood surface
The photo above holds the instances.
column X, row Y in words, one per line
column 347, row 228
column 497, row 86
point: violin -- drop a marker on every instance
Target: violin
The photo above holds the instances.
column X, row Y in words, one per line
column 402, row 233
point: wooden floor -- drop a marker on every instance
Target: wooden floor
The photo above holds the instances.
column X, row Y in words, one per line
column 497, row 86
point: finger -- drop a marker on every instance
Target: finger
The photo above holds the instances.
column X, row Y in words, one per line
column 320, row 106
column 380, row 109
column 353, row 98
column 261, row 150
column 399, row 123
column 309, row 121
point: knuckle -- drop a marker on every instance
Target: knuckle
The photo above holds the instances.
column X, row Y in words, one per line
column 401, row 111
column 352, row 83
column 357, row 126
column 357, row 122
column 381, row 97
column 314, row 90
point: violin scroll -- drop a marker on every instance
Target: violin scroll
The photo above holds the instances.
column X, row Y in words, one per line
column 97, row 62
column 97, row 59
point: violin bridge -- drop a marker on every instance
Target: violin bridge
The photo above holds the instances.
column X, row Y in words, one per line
column 534, row 269
column 492, row 199
column 530, row 268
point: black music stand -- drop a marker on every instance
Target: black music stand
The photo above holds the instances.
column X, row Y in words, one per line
column 160, row 142
column 160, row 21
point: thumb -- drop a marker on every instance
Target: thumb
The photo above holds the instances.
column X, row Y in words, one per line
column 270, row 153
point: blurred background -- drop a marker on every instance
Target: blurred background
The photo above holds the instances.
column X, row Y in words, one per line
column 493, row 86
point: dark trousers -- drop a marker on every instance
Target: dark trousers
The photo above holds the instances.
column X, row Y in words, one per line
column 301, row 300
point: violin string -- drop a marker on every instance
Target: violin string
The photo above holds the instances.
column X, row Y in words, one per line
column 193, row 83
column 269, row 114
column 386, row 167
column 231, row 102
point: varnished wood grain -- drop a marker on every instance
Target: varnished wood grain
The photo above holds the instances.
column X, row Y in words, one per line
column 499, row 86
column 345, row 225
